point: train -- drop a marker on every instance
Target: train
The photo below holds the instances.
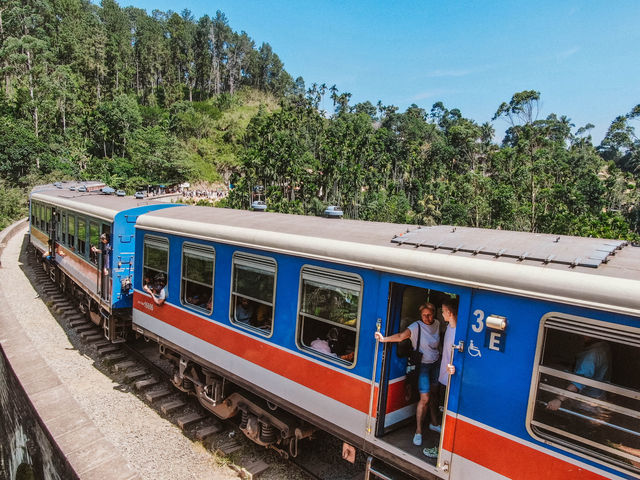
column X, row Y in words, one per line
column 271, row 318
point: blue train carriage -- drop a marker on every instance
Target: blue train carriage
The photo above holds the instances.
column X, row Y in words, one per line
column 69, row 219
column 273, row 316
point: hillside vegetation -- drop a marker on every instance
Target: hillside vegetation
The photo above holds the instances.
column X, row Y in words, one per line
column 111, row 93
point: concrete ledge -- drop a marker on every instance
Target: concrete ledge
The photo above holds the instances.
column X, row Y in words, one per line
column 9, row 232
column 68, row 427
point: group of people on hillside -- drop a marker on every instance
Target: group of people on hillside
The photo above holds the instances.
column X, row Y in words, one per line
column 435, row 367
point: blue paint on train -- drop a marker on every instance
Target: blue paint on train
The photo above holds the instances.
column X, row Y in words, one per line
column 492, row 386
column 123, row 252
column 286, row 300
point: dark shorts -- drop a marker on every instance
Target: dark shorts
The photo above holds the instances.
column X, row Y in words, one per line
column 428, row 376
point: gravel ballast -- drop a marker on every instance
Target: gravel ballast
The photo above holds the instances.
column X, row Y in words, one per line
column 152, row 446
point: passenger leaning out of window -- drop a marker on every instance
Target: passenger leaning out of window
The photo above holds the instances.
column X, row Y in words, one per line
column 106, row 252
column 429, row 329
column 158, row 291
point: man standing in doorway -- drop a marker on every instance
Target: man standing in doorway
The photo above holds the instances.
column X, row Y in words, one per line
column 428, row 329
column 106, row 253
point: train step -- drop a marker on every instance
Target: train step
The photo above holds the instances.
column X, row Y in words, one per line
column 189, row 419
column 142, row 384
column 172, row 406
column 155, row 395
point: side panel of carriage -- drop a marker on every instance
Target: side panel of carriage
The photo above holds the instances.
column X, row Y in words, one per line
column 74, row 232
column 514, row 349
column 499, row 425
column 275, row 358
column 518, row 354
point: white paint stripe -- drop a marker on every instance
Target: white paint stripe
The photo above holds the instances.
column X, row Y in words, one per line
column 259, row 338
column 541, row 449
column 400, row 414
column 464, row 469
column 325, row 407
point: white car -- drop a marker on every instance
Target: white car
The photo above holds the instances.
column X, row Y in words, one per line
column 258, row 206
column 333, row 211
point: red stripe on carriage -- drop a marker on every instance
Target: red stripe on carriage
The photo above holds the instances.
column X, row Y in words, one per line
column 343, row 388
column 507, row 457
column 397, row 397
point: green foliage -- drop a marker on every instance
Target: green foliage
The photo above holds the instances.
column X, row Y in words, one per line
column 110, row 93
column 19, row 149
column 12, row 204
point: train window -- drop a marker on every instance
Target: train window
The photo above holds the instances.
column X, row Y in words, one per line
column 586, row 391
column 33, row 213
column 64, row 227
column 58, row 217
column 94, row 241
column 40, row 217
column 329, row 313
column 72, row 231
column 82, row 236
column 197, row 276
column 253, row 291
column 155, row 259
column 47, row 219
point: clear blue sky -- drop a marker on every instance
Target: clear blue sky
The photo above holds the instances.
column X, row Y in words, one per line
column 582, row 56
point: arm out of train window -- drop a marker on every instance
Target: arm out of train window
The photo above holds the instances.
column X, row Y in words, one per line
column 155, row 267
column 586, row 391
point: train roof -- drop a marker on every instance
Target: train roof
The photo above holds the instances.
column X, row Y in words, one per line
column 586, row 271
column 92, row 202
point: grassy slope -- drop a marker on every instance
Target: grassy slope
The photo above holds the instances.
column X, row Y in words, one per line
column 215, row 155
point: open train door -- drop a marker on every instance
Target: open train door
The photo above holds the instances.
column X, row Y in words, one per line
column 398, row 396
column 104, row 264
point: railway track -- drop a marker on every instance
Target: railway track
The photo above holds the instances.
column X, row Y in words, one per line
column 138, row 368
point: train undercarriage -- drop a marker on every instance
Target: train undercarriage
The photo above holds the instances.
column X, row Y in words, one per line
column 263, row 422
column 116, row 325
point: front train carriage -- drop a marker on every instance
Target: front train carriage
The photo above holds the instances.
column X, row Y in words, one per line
column 272, row 317
column 68, row 222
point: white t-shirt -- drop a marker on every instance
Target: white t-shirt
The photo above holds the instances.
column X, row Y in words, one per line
column 429, row 340
column 449, row 337
column 321, row 346
column 163, row 294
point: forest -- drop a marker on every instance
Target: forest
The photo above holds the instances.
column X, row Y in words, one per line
column 108, row 93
